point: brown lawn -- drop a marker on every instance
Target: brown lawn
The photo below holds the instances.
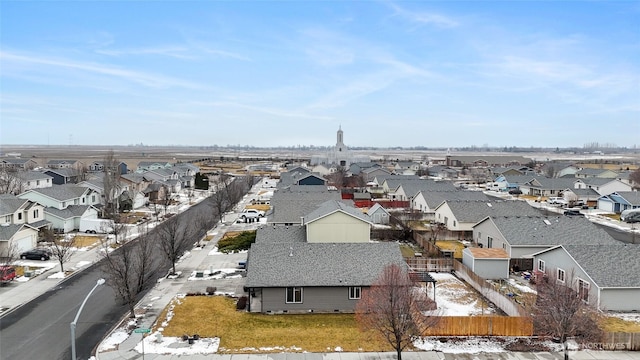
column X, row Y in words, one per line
column 242, row 332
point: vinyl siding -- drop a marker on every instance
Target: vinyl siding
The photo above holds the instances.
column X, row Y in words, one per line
column 317, row 299
column 338, row 228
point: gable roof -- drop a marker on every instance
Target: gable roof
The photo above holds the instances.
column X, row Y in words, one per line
column 377, row 207
column 616, row 265
column 550, row 231
column 631, row 198
column 10, row 204
column 69, row 212
column 470, row 211
column 288, row 206
column 412, row 187
column 329, row 207
column 435, row 198
column 545, row 183
column 319, row 264
column 280, row 234
column 33, row 175
column 62, row 192
column 63, row 172
column 7, row 231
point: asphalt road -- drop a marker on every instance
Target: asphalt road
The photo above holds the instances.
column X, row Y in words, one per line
column 41, row 328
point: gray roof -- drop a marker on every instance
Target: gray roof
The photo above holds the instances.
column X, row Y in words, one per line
column 550, row 231
column 292, row 177
column 470, row 211
column 133, row 177
column 413, row 187
column 288, row 205
column 633, row 197
column 596, row 181
column 518, row 179
column 584, row 192
column 552, row 184
column 380, row 179
column 326, row 264
column 281, row 234
column 61, row 161
column 16, row 161
column 70, row 212
column 63, row 172
column 435, row 198
column 33, row 175
column 330, row 207
column 10, row 204
column 62, row 192
column 609, row 265
column 592, row 172
column 7, row 231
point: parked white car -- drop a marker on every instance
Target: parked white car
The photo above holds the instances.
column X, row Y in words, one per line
column 557, row 201
column 251, row 214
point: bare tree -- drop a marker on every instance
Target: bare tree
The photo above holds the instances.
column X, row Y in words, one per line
column 8, row 254
column 561, row 309
column 129, row 270
column 174, row 238
column 220, row 200
column 635, row 178
column 10, row 181
column 62, row 248
column 119, row 229
column 111, row 184
column 391, row 308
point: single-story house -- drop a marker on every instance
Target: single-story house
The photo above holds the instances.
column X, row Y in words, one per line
column 617, row 202
column 302, row 277
column 605, row 276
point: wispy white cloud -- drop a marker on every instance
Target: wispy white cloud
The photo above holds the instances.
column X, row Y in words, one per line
column 141, row 78
column 422, row 17
column 177, row 52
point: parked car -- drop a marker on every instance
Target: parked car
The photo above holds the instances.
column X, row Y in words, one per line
column 557, row 201
column 36, row 254
column 630, row 216
column 573, row 212
column 515, row 192
column 7, row 273
column 251, row 214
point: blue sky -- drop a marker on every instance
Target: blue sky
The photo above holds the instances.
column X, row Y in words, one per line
column 286, row 73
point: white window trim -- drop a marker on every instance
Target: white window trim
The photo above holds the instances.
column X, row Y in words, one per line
column 564, row 275
column 286, row 295
column 541, row 265
column 588, row 287
column 355, row 289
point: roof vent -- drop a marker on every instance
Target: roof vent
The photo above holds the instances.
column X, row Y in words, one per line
column 290, row 251
column 547, row 222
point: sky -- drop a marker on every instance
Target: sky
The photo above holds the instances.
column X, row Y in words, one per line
column 289, row 73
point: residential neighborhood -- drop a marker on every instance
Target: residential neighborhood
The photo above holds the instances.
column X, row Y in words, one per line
column 326, row 236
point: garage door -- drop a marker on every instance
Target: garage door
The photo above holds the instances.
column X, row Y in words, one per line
column 24, row 244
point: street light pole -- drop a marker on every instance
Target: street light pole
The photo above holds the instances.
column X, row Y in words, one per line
column 75, row 321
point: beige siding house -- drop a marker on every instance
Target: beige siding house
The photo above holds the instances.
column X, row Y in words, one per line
column 336, row 222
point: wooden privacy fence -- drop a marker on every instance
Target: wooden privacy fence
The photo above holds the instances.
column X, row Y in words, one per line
column 620, row 341
column 506, row 304
column 430, row 264
column 481, row 326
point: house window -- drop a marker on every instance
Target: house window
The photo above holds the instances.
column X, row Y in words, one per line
column 7, row 218
column 75, row 202
column 19, row 216
column 36, row 213
column 93, row 198
column 64, row 204
column 446, row 220
column 583, row 290
column 37, row 182
column 28, row 183
column 354, row 292
column 294, row 295
column 489, row 241
column 541, row 265
column 479, row 236
column 454, row 223
column 561, row 275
